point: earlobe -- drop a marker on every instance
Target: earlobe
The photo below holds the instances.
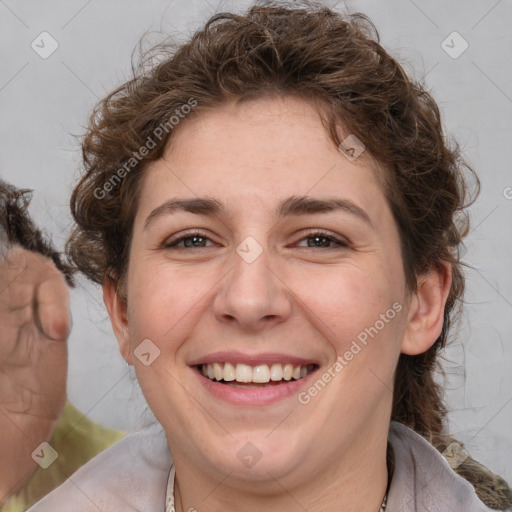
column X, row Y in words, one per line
column 426, row 312
column 116, row 308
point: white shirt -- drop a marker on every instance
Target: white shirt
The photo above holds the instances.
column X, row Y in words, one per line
column 133, row 475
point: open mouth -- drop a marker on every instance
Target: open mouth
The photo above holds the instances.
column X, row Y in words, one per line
column 263, row 375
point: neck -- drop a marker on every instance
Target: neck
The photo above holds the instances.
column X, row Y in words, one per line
column 354, row 480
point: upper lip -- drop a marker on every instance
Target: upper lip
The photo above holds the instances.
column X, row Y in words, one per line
column 268, row 358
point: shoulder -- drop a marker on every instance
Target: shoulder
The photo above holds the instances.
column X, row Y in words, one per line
column 131, row 475
column 423, row 480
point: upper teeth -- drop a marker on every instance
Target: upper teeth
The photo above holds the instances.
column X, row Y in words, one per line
column 261, row 373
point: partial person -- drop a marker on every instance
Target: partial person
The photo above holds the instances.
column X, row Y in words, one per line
column 35, row 322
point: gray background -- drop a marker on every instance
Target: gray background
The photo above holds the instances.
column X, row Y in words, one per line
column 45, row 102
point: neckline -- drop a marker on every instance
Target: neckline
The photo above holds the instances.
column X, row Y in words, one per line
column 169, row 495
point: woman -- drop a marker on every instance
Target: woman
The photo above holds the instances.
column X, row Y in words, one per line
column 271, row 211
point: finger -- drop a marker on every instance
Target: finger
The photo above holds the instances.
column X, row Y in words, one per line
column 53, row 308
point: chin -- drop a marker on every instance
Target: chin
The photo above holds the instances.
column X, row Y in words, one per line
column 258, row 457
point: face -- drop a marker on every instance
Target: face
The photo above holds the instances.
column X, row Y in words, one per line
column 282, row 261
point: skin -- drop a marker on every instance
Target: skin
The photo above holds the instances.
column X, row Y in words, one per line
column 35, row 323
column 305, row 301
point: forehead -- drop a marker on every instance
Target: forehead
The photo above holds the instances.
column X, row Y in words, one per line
column 266, row 149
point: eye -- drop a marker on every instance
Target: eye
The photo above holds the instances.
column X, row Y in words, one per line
column 323, row 239
column 315, row 239
column 195, row 239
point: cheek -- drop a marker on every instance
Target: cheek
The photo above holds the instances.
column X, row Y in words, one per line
column 345, row 300
column 158, row 299
column 165, row 305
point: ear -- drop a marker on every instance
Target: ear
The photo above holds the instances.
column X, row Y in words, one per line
column 426, row 310
column 116, row 308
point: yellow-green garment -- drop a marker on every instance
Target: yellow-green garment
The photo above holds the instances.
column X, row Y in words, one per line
column 76, row 439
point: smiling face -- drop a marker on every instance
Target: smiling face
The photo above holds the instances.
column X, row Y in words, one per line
column 257, row 243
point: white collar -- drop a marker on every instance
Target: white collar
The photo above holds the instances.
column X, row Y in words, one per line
column 132, row 475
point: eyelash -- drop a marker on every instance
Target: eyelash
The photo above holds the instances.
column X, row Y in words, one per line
column 319, row 233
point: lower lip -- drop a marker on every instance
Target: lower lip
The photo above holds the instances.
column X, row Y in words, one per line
column 253, row 396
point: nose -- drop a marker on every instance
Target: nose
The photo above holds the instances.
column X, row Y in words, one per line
column 252, row 295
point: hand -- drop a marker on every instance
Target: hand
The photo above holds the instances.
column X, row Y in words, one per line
column 34, row 325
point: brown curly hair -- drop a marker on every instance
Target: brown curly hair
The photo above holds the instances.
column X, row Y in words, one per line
column 336, row 61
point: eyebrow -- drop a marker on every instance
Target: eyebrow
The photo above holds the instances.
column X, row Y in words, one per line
column 294, row 205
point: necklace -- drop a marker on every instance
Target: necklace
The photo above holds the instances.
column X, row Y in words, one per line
column 384, row 503
column 169, row 499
